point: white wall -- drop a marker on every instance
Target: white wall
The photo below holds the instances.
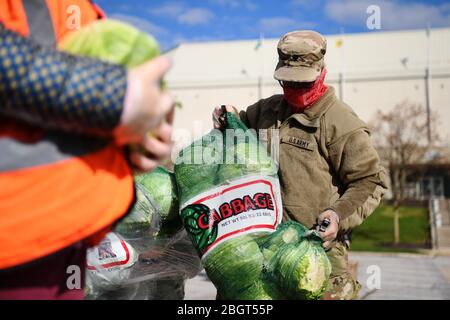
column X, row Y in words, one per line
column 210, row 74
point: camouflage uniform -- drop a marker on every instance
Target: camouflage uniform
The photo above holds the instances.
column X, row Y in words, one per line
column 342, row 285
column 326, row 159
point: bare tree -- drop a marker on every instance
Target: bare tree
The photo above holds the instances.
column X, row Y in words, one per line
column 401, row 138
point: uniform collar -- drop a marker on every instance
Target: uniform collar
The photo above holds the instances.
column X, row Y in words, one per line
column 311, row 116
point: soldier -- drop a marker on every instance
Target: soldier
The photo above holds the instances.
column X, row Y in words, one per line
column 328, row 167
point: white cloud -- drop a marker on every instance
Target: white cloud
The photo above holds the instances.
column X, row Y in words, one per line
column 183, row 14
column 445, row 7
column 281, row 25
column 394, row 15
column 306, row 3
column 234, row 4
column 250, row 5
column 141, row 24
column 227, row 3
column 196, row 16
column 276, row 23
column 171, row 10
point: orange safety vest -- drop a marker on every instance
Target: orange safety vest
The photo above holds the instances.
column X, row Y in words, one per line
column 55, row 188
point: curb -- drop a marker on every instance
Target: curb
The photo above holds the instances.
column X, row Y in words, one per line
column 421, row 254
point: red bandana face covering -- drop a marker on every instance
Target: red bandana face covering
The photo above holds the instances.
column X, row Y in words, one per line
column 301, row 99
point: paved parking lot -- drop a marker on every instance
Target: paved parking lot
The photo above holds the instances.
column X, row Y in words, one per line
column 404, row 276
column 401, row 276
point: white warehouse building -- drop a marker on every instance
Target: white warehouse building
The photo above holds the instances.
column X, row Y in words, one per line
column 370, row 71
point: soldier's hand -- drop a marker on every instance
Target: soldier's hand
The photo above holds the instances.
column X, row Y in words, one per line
column 330, row 233
column 218, row 113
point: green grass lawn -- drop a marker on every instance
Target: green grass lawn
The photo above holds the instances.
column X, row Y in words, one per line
column 376, row 233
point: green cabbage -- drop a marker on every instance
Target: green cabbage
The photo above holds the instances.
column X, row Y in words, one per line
column 161, row 187
column 254, row 159
column 262, row 289
column 112, row 41
column 139, row 221
column 300, row 265
column 192, row 175
column 156, row 208
column 270, row 245
column 235, row 266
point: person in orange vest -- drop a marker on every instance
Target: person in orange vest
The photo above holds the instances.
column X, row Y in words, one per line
column 65, row 176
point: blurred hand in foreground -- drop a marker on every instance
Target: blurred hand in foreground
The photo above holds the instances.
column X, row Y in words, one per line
column 146, row 121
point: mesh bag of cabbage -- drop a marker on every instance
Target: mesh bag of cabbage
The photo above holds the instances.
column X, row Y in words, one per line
column 230, row 196
column 148, row 256
column 296, row 261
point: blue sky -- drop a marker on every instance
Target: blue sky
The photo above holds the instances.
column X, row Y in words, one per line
column 173, row 22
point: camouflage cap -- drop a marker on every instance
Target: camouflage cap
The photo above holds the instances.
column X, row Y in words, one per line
column 301, row 56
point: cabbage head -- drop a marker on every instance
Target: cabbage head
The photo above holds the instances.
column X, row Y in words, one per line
column 112, row 41
column 139, row 221
column 302, row 269
column 234, row 267
column 161, row 188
